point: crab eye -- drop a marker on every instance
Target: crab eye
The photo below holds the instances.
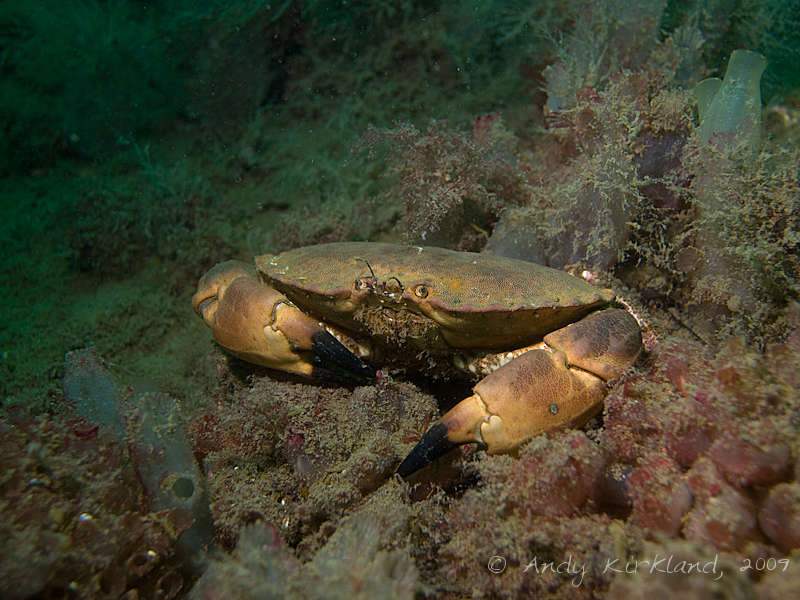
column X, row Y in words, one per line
column 422, row 291
column 360, row 284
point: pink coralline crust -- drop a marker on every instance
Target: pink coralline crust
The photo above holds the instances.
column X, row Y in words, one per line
column 628, row 425
column 555, row 475
column 299, row 455
column 635, row 425
column 468, row 525
column 75, row 511
column 721, row 516
column 239, row 430
column 659, row 494
column 368, row 468
column 686, row 444
column 754, row 384
column 681, row 364
column 734, row 408
column 481, row 525
column 661, row 411
column 744, row 464
column 779, row 516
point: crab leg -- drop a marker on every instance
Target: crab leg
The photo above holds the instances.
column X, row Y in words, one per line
column 538, row 391
column 258, row 324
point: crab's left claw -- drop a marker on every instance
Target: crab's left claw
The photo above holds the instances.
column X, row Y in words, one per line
column 538, row 391
column 258, row 324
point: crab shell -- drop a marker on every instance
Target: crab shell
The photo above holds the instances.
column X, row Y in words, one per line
column 477, row 301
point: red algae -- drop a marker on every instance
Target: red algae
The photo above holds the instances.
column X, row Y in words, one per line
column 76, row 513
column 721, row 515
column 660, row 494
column 779, row 516
column 743, row 464
column 555, row 476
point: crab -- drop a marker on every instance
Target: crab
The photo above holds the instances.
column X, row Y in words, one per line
column 541, row 344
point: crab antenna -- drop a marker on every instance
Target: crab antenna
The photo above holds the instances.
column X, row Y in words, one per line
column 369, row 266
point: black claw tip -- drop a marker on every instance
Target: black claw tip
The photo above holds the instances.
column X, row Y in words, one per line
column 432, row 445
column 334, row 357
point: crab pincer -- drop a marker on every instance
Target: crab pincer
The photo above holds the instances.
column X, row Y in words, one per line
column 561, row 384
column 260, row 325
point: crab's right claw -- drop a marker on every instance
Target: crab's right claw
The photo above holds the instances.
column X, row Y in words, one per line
column 529, row 395
column 258, row 324
column 537, row 391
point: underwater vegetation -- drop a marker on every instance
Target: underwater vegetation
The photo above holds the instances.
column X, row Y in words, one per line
column 649, row 147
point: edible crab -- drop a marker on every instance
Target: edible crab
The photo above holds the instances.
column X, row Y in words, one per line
column 541, row 342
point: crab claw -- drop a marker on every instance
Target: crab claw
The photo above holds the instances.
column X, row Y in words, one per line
column 538, row 391
column 258, row 324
